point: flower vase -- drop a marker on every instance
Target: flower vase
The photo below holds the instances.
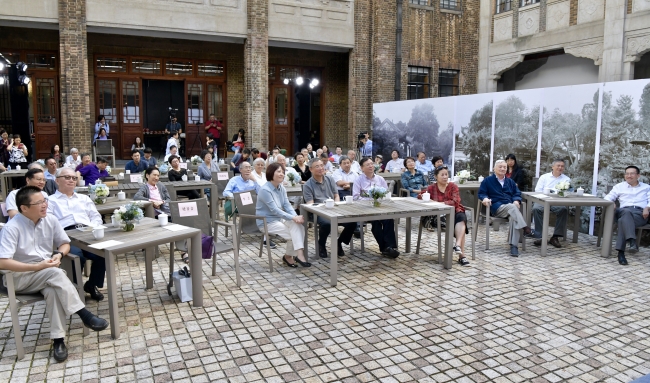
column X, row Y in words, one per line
column 128, row 225
column 561, row 193
column 99, row 200
column 462, row 180
column 376, row 202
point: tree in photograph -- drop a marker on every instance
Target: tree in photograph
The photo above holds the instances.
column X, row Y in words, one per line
column 476, row 140
column 424, row 127
column 446, row 142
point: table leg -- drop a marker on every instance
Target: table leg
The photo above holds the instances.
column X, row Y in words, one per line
column 407, row 245
column 576, row 223
column 214, row 203
column 547, row 212
column 149, row 211
column 112, row 294
column 334, row 235
column 305, row 225
column 197, row 274
column 148, row 266
column 606, row 245
column 449, row 238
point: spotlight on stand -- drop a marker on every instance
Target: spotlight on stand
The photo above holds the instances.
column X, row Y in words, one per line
column 314, row 83
column 2, row 66
column 286, row 81
column 21, row 66
column 299, row 80
column 24, row 80
column 2, row 80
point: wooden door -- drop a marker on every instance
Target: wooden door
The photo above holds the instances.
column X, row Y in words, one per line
column 107, row 105
column 195, row 118
column 46, row 113
column 131, row 117
column 281, row 126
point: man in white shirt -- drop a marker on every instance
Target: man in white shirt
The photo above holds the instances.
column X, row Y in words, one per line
column 337, row 155
column 396, row 164
column 344, row 176
column 73, row 160
column 172, row 141
column 282, row 160
column 172, row 152
column 634, row 200
column 352, row 155
column 72, row 209
column 548, row 181
column 34, row 177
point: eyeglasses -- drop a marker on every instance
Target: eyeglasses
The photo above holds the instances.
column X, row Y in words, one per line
column 442, row 167
column 68, row 178
column 39, row 203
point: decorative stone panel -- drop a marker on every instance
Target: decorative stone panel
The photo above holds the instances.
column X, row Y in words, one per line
column 590, row 10
column 502, row 64
column 640, row 5
column 529, row 20
column 635, row 47
column 590, row 51
column 503, row 26
column 558, row 14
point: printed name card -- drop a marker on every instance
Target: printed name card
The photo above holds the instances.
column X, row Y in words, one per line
column 183, row 165
column 187, row 209
column 246, row 198
column 136, row 178
column 222, row 176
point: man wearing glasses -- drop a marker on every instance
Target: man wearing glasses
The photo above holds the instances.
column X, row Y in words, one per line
column 34, row 177
column 27, row 242
column 72, row 209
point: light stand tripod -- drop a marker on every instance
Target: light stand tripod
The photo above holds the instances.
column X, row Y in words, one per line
column 197, row 138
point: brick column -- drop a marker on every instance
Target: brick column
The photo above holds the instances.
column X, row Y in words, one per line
column 256, row 62
column 76, row 123
column 360, row 71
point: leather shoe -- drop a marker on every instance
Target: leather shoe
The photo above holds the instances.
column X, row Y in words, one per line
column 555, row 242
column 322, row 251
column 622, row 260
column 93, row 291
column 341, row 253
column 632, row 247
column 60, row 352
column 301, row 263
column 96, row 323
column 390, row 252
column 537, row 242
column 529, row 233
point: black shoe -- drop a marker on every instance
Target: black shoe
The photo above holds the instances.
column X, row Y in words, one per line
column 93, row 291
column 357, row 233
column 621, row 259
column 463, row 261
column 96, row 323
column 289, row 264
column 271, row 244
column 633, row 248
column 537, row 242
column 514, row 251
column 60, row 352
column 322, row 252
column 341, row 253
column 529, row 233
column 555, row 242
column 303, row 264
column 390, row 252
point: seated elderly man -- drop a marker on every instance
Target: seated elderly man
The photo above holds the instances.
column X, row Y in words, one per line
column 27, row 243
column 316, row 190
column 50, row 185
column 344, row 176
column 72, row 209
column 93, row 172
column 382, row 230
column 73, row 160
column 549, row 180
column 634, row 199
column 34, row 177
column 422, row 164
column 503, row 198
column 51, row 166
column 352, row 155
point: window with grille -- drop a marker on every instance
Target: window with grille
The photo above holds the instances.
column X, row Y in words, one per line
column 450, row 4
column 419, row 2
column 418, row 84
column 504, row 5
column 448, row 82
column 528, row 2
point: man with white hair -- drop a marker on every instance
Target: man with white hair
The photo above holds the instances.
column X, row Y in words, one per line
column 355, row 167
column 282, row 160
column 73, row 160
column 503, row 198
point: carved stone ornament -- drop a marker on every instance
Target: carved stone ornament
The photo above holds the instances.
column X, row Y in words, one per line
column 591, row 51
column 640, row 5
column 498, row 66
column 636, row 47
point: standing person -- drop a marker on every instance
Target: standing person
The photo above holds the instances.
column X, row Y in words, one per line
column 634, row 210
column 514, row 172
column 72, row 209
column 396, row 164
column 548, row 181
column 344, row 177
column 101, row 124
column 173, row 127
column 176, row 173
column 239, row 141
column 449, row 194
column 316, row 190
column 27, row 242
column 4, row 143
column 301, row 167
column 17, row 152
column 214, row 127
column 412, row 179
column 93, row 172
column 503, row 199
column 73, row 160
column 55, row 153
column 281, row 219
column 337, row 155
column 382, row 230
column 366, row 149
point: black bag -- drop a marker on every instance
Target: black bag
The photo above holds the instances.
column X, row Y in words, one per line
column 430, row 222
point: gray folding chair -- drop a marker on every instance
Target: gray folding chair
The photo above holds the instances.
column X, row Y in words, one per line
column 202, row 222
column 104, row 148
column 16, row 301
column 221, row 186
column 248, row 225
column 172, row 191
column 496, row 222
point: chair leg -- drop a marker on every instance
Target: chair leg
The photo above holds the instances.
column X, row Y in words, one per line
column 171, row 268
column 439, row 228
column 214, row 265
column 417, row 247
column 13, row 306
column 268, row 250
column 487, row 232
column 87, row 268
column 362, row 233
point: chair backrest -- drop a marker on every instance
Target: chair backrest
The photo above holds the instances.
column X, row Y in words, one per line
column 221, row 183
column 172, row 192
column 248, row 225
column 199, row 220
column 104, row 147
column 391, row 186
column 535, row 179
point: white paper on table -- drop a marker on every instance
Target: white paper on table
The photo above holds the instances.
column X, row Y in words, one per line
column 588, row 195
column 105, row 244
column 399, row 198
column 187, row 209
column 222, row 176
column 136, row 178
column 340, row 203
column 183, row 165
column 246, row 198
column 174, row 227
column 540, row 196
column 435, row 204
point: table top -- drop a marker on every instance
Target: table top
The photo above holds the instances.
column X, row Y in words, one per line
column 130, row 186
column 364, row 208
column 469, row 185
column 571, row 200
column 146, row 233
column 113, row 203
column 14, row 172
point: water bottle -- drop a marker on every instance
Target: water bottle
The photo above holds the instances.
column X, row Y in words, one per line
column 8, row 167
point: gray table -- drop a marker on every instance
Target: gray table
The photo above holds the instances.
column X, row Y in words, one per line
column 113, row 203
column 574, row 200
column 5, row 179
column 363, row 211
column 146, row 235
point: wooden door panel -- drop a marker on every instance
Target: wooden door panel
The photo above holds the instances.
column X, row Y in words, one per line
column 131, row 119
column 281, row 125
column 46, row 113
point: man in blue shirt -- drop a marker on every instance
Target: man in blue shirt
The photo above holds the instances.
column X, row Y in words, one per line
column 422, row 164
column 92, row 172
column 366, row 150
column 151, row 160
column 136, row 165
column 173, row 127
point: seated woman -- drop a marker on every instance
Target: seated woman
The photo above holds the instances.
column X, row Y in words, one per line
column 281, row 219
column 206, row 168
column 515, row 173
column 259, row 171
column 102, row 135
column 154, row 191
column 301, row 167
column 449, row 194
column 176, row 173
column 412, row 179
column 138, row 145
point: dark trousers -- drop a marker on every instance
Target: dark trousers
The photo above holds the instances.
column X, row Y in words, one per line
column 97, row 268
column 344, row 193
column 384, row 233
column 325, row 228
column 628, row 219
column 191, row 194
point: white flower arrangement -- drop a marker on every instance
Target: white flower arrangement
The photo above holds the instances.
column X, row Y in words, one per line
column 464, row 174
column 563, row 186
column 196, row 160
column 100, row 190
column 129, row 213
column 292, row 178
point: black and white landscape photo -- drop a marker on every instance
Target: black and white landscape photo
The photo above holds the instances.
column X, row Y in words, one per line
column 473, row 134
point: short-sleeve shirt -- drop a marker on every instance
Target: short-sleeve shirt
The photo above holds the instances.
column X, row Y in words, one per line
column 11, row 200
column 26, row 242
column 319, row 191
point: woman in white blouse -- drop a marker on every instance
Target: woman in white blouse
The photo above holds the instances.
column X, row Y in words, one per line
column 101, row 123
column 259, row 171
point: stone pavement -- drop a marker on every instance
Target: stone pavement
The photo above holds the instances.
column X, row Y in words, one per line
column 571, row 316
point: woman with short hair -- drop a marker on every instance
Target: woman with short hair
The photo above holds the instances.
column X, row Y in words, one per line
column 259, row 171
column 412, row 179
